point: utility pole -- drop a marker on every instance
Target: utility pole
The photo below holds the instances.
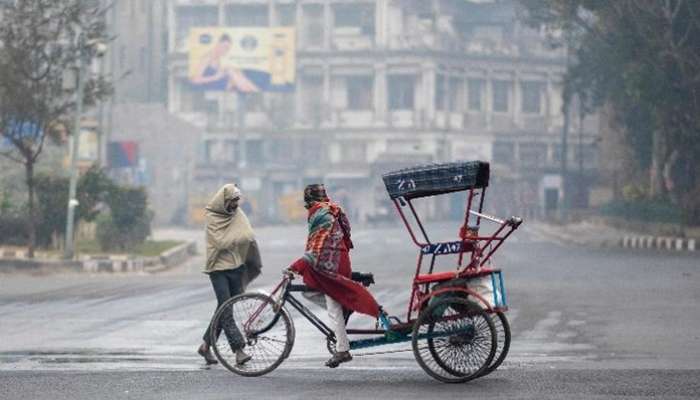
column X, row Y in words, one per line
column 241, row 132
column 564, row 160
column 72, row 201
column 567, row 98
column 83, row 50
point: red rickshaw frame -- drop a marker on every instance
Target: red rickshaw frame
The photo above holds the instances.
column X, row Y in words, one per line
column 481, row 249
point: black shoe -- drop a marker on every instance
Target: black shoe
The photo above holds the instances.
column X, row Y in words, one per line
column 206, row 353
column 338, row 358
column 242, row 358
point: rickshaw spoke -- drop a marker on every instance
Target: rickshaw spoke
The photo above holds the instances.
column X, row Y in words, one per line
column 454, row 331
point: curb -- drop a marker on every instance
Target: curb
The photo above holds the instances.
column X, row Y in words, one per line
column 35, row 265
column 658, row 243
column 12, row 261
column 621, row 240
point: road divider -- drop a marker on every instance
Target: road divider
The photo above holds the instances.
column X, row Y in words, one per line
column 16, row 261
column 658, row 243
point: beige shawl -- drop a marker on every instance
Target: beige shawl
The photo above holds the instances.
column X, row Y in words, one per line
column 230, row 239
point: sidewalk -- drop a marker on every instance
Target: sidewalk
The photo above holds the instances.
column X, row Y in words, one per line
column 586, row 233
column 600, row 234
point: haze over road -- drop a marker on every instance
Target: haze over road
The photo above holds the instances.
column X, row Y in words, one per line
column 586, row 323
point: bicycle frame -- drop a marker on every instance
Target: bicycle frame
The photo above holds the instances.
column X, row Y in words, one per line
column 283, row 295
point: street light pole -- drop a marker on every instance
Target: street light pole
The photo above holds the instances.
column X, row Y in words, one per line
column 69, row 250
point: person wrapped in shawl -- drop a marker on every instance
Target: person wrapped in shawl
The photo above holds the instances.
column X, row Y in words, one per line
column 325, row 266
column 232, row 261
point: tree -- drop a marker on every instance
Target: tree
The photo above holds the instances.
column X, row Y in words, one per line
column 642, row 58
column 38, row 45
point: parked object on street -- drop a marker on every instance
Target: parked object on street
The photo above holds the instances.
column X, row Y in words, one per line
column 455, row 320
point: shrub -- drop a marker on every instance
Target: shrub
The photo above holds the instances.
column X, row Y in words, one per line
column 644, row 210
column 52, row 200
column 13, row 229
column 124, row 226
column 129, row 221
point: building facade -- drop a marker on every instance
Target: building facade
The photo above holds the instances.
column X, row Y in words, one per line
column 136, row 60
column 384, row 84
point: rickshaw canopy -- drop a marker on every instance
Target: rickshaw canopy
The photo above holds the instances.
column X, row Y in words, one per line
column 436, row 179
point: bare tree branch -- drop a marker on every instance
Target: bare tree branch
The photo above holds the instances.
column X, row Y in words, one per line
column 9, row 156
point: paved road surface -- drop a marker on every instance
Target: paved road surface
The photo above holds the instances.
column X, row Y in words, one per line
column 587, row 323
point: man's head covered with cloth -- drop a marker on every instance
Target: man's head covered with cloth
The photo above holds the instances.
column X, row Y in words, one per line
column 229, row 234
column 315, row 193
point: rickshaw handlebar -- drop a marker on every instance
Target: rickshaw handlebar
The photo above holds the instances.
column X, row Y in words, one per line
column 512, row 221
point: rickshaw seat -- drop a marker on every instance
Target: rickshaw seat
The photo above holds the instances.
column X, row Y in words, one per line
column 447, row 275
column 435, row 277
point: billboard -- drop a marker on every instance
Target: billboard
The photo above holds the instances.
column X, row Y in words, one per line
column 242, row 59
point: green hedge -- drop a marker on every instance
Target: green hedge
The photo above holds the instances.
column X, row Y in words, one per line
column 644, row 210
column 13, row 229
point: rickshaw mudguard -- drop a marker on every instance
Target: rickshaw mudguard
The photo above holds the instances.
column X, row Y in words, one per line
column 437, row 294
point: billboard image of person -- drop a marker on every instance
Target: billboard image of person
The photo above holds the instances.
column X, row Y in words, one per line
column 242, row 59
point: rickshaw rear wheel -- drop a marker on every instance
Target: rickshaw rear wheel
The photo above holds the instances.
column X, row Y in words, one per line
column 502, row 341
column 268, row 339
column 454, row 340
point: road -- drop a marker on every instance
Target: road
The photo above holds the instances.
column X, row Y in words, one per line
column 587, row 323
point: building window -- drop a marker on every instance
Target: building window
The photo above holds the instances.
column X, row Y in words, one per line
column 188, row 17
column 221, row 151
column 246, row 15
column 254, row 102
column 358, row 16
column 586, row 153
column 440, row 92
column 556, row 153
column 281, row 150
column 312, row 149
column 360, row 93
column 533, row 154
column 455, row 94
column 353, row 152
column 401, row 88
column 254, row 152
column 313, row 25
column 474, row 88
column 531, row 97
column 503, row 153
column 500, row 95
column 195, row 101
column 122, row 57
column 286, row 14
column 311, row 95
column 142, row 58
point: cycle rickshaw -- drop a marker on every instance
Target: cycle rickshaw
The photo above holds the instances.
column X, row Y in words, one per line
column 455, row 321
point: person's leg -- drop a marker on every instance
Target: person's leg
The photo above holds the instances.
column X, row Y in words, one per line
column 221, row 289
column 235, row 287
column 317, row 298
column 342, row 345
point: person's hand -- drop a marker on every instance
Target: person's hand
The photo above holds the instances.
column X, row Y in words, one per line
column 298, row 266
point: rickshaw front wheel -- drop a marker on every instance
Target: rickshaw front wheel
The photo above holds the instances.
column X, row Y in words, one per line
column 253, row 323
column 454, row 340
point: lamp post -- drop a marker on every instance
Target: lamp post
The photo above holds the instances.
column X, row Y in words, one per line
column 72, row 188
column 84, row 46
